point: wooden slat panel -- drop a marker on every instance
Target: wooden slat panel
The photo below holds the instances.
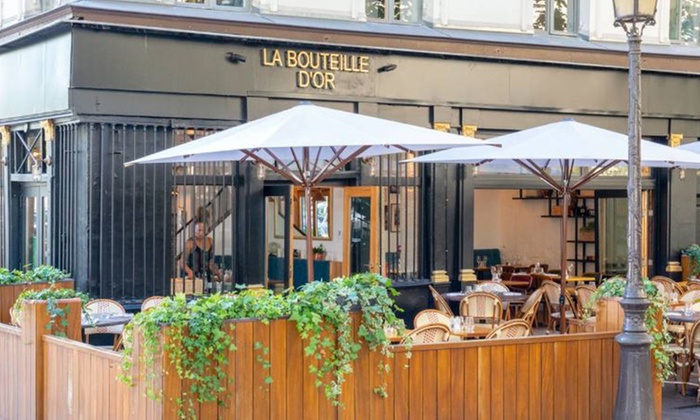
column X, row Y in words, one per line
column 607, row 399
column 471, row 384
column 484, row 375
column 261, row 390
column 9, row 294
column 560, row 380
column 278, row 360
column 571, row 367
column 596, row 380
column 445, row 384
column 244, row 370
column 583, row 380
column 510, row 381
column 402, row 391
column 547, row 393
column 497, row 399
column 295, row 373
column 415, row 386
column 430, row 379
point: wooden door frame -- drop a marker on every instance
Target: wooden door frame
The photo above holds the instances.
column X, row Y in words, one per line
column 373, row 194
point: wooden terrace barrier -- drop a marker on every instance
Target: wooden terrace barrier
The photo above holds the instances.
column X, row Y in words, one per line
column 10, row 292
column 546, row 377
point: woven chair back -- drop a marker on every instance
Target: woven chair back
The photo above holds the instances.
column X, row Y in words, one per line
column 511, row 329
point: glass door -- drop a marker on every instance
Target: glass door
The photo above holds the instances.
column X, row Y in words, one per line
column 361, row 219
column 34, row 225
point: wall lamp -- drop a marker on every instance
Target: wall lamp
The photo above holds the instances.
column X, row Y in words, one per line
column 235, row 58
column 387, row 68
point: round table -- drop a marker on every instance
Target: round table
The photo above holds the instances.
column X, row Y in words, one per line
column 508, row 297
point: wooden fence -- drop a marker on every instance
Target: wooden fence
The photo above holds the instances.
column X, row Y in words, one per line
column 10, row 292
column 12, row 374
column 549, row 377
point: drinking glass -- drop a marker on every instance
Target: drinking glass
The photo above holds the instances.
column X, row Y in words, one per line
column 456, row 324
column 688, row 308
column 468, row 324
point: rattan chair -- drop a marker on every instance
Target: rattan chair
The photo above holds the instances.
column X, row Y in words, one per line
column 520, row 281
column 569, row 311
column 151, row 302
column 482, row 306
column 584, row 294
column 694, row 350
column 670, row 286
column 692, row 285
column 528, row 312
column 440, row 302
column 551, row 292
column 431, row 316
column 428, row 334
column 690, row 297
column 104, row 306
column 492, row 287
column 511, row 329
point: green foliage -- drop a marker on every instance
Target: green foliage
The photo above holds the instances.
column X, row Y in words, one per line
column 57, row 315
column 322, row 310
column 319, row 249
column 41, row 274
column 693, row 251
column 615, row 288
column 197, row 340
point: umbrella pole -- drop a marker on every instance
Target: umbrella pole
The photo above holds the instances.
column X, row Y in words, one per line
column 566, row 197
column 309, row 235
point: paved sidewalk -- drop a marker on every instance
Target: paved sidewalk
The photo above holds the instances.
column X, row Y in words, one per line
column 677, row 407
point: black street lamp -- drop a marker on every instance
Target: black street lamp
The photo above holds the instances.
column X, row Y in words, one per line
column 634, row 394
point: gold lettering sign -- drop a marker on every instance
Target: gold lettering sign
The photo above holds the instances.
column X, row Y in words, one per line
column 315, row 70
column 674, row 140
column 469, row 130
column 442, row 126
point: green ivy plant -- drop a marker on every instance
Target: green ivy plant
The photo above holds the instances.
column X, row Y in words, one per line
column 197, row 339
column 615, row 288
column 321, row 310
column 40, row 274
column 57, row 315
column 693, row 252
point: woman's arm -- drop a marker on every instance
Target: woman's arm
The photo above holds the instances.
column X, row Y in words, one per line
column 212, row 265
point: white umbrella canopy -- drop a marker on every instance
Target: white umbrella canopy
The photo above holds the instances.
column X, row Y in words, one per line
column 306, row 144
column 553, row 151
column 691, row 147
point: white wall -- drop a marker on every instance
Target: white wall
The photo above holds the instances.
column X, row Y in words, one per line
column 499, row 15
column 516, row 228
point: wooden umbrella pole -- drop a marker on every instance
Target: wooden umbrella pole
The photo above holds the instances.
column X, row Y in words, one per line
column 566, row 197
column 309, row 233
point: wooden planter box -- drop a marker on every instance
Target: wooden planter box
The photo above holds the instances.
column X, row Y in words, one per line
column 609, row 315
column 186, row 286
column 10, row 292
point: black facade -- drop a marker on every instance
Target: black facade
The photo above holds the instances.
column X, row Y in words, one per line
column 117, row 94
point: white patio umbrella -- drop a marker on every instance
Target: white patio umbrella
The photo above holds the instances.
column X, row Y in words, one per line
column 306, row 144
column 691, row 147
column 552, row 152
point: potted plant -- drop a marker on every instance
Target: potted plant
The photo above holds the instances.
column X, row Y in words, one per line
column 587, row 232
column 610, row 316
column 319, row 253
column 57, row 303
column 690, row 260
column 14, row 282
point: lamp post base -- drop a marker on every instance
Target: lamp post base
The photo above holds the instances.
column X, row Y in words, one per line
column 635, row 399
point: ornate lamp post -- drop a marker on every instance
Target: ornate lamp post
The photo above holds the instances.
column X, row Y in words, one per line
column 634, row 394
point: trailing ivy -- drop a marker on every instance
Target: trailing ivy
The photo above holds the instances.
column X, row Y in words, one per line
column 322, row 310
column 56, row 314
column 197, row 341
column 41, row 274
column 615, row 288
column 693, row 252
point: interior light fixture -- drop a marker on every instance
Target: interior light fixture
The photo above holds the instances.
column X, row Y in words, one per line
column 232, row 57
column 386, row 68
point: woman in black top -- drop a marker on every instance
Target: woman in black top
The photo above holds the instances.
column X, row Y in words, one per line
column 198, row 258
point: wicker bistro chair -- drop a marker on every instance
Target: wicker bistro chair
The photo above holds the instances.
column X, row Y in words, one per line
column 482, row 306
column 428, row 334
column 431, row 316
column 528, row 312
column 511, row 329
column 692, row 285
column 551, row 292
column 440, row 302
column 521, row 282
column 151, row 302
column 694, row 350
column 583, row 299
column 669, row 285
column 569, row 311
column 690, row 297
column 104, row 306
column 492, row 287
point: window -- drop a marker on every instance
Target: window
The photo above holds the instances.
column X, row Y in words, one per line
column 683, row 24
column 555, row 16
column 393, row 10
column 206, row 3
column 321, row 215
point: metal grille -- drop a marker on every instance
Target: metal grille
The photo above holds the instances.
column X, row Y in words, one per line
column 399, row 196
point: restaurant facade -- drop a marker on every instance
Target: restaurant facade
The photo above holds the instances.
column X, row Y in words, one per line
column 88, row 86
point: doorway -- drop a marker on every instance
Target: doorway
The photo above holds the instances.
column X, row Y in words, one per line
column 32, row 205
column 361, row 224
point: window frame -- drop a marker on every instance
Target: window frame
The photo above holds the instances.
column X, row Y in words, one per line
column 549, row 9
column 389, row 17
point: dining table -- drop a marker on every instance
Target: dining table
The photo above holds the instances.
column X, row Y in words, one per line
column 506, row 297
column 105, row 320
